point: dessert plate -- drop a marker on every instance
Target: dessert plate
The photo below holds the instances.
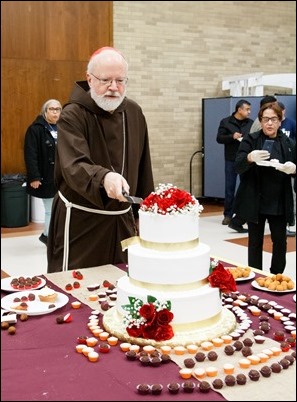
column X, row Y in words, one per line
column 246, row 278
column 294, row 298
column 35, row 307
column 257, row 286
column 5, row 285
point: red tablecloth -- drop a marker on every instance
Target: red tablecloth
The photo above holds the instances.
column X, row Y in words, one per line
column 39, row 362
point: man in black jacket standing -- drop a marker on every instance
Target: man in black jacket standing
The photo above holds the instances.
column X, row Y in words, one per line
column 230, row 132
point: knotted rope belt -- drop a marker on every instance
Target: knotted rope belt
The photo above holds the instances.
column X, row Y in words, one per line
column 70, row 205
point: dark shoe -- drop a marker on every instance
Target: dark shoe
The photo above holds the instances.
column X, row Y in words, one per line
column 43, row 239
column 290, row 233
column 238, row 228
column 226, row 220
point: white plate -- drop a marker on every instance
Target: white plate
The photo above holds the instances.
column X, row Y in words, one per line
column 294, row 298
column 247, row 278
column 255, row 285
column 5, row 285
column 35, row 307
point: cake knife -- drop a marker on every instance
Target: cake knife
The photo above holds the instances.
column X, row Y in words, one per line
column 132, row 199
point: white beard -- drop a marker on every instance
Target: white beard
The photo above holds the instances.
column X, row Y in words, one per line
column 107, row 103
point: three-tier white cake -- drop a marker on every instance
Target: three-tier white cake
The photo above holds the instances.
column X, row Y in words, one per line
column 168, row 269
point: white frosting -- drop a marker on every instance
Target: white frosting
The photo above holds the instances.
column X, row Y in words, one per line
column 46, row 291
column 168, row 228
column 188, row 307
column 163, row 267
column 178, row 275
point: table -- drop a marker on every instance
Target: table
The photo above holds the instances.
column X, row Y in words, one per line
column 39, row 362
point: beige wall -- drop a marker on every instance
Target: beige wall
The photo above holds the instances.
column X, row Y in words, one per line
column 179, row 52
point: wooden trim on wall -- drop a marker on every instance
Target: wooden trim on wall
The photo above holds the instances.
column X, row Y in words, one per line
column 45, row 47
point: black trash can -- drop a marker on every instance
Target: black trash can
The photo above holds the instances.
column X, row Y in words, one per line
column 14, row 201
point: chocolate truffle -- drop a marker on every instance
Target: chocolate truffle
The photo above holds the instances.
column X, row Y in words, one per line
column 230, row 380
column 145, row 360
column 189, row 363
column 254, row 375
column 266, row 371
column 238, row 345
column 241, row 379
column 212, row 356
column 200, row 356
column 155, row 361
column 290, row 358
column 258, row 332
column 279, row 336
column 247, row 342
column 284, row 363
column 143, row 389
column 165, row 358
column 131, row 355
column 173, row 387
column 276, row 368
column 188, row 386
column 229, row 350
column 204, row 387
column 217, row 383
column 156, row 389
column 246, row 351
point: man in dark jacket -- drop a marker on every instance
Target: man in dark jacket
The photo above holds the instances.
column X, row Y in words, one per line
column 102, row 149
column 230, row 132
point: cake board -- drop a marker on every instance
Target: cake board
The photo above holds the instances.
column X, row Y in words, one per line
column 113, row 324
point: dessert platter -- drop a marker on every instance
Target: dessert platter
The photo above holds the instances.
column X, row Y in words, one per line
column 29, row 302
column 247, row 278
column 166, row 298
column 6, row 285
column 264, row 289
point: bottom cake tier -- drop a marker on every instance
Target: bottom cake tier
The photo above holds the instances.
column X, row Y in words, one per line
column 226, row 323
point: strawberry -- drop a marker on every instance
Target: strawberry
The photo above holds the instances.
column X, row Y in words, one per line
column 68, row 286
column 79, row 275
column 76, row 285
column 68, row 317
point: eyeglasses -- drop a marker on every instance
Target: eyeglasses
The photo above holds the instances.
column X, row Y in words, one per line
column 272, row 119
column 54, row 109
column 108, row 81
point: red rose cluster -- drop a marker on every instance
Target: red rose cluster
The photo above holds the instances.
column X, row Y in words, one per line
column 155, row 326
column 222, row 278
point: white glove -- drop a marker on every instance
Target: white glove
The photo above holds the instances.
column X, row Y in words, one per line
column 258, row 156
column 288, row 167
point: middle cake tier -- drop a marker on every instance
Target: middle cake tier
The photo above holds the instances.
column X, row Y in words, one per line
column 187, row 267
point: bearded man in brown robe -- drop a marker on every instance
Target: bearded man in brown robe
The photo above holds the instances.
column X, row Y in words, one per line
column 102, row 150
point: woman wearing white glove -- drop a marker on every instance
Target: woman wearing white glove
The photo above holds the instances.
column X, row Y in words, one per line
column 265, row 191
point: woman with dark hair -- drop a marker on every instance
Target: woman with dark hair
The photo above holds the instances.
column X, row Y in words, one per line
column 39, row 152
column 265, row 191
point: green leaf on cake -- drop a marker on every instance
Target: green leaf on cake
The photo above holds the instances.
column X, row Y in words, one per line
column 151, row 299
column 131, row 307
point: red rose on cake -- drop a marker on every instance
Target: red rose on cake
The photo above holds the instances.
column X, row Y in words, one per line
column 222, row 278
column 150, row 320
column 168, row 199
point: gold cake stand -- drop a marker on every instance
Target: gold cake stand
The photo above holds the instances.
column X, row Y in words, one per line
column 113, row 323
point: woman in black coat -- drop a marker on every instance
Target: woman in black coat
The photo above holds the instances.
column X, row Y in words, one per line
column 265, row 190
column 39, row 152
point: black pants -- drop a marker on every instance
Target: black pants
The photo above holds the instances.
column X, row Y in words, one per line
column 277, row 226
